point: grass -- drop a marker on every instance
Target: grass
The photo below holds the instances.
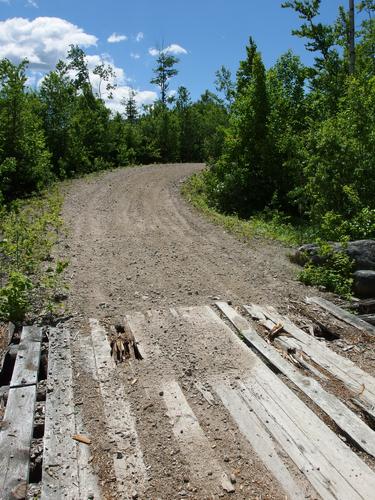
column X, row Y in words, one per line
column 269, row 225
column 29, row 275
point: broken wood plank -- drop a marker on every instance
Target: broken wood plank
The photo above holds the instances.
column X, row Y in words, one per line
column 28, row 357
column 15, row 440
column 358, row 381
column 341, row 314
column 60, row 467
column 127, row 454
column 348, row 421
column 194, row 443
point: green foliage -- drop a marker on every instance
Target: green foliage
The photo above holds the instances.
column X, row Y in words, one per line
column 14, row 297
column 164, row 71
column 29, row 229
column 269, row 224
column 335, row 274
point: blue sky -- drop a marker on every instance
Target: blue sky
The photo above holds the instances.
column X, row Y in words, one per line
column 211, row 32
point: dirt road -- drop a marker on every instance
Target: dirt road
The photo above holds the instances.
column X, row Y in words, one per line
column 136, row 244
column 169, row 425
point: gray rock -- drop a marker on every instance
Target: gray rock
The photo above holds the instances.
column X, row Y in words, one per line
column 361, row 251
column 364, row 284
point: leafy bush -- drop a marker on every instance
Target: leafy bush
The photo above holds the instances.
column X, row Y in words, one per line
column 29, row 229
column 335, row 272
column 15, row 297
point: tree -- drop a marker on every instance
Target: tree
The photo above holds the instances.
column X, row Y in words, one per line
column 245, row 71
column 131, row 110
column 186, row 130
column 24, row 158
column 224, row 84
column 164, row 71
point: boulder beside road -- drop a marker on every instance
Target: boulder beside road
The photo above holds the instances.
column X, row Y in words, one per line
column 362, row 252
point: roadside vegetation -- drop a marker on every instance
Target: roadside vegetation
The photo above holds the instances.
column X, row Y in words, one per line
column 290, row 149
column 30, row 276
column 300, row 143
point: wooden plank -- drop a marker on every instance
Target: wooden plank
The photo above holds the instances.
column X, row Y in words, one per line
column 348, row 421
column 127, row 455
column 28, row 357
column 194, row 444
column 358, row 381
column 60, row 466
column 15, row 440
column 331, row 467
column 259, row 438
column 255, row 312
column 341, row 314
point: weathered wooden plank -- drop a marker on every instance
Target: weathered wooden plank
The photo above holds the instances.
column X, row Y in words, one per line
column 331, row 467
column 60, row 466
column 310, row 444
column 28, row 356
column 15, row 439
column 341, row 314
column 259, row 438
column 127, row 455
column 348, row 421
column 194, row 443
column 358, row 381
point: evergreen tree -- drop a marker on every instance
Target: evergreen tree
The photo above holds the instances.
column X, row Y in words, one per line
column 164, row 71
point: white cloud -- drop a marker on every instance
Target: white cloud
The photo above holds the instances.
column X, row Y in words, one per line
column 139, row 37
column 134, row 55
column 174, row 49
column 32, row 3
column 43, row 41
column 142, row 97
column 115, row 38
column 153, row 52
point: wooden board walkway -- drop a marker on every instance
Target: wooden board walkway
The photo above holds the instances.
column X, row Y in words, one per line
column 354, row 378
column 346, row 420
column 17, row 425
column 331, row 467
column 245, row 385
